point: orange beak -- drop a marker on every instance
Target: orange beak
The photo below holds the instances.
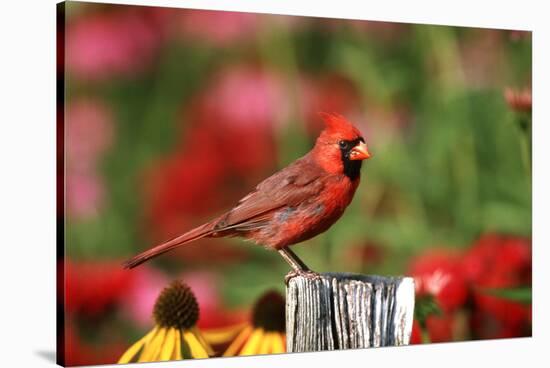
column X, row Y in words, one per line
column 359, row 152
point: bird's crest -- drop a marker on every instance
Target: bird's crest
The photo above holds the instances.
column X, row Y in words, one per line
column 337, row 124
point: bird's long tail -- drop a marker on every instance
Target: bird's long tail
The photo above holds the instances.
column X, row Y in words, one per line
column 197, row 233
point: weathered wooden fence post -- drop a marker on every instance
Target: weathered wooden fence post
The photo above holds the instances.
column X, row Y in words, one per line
column 348, row 311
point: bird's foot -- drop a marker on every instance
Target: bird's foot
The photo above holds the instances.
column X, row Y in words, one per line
column 308, row 274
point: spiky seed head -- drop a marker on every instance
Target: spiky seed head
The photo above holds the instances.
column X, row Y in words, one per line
column 269, row 312
column 176, row 307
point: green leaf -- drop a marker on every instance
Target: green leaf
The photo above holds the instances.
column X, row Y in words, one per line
column 425, row 306
column 521, row 294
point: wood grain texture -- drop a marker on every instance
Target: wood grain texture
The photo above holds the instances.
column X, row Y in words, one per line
column 348, row 311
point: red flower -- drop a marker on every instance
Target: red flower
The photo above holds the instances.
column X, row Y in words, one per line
column 91, row 287
column 438, row 272
column 496, row 262
column 416, row 333
column 438, row 329
column 183, row 184
column 499, row 260
column 485, row 325
column 246, row 150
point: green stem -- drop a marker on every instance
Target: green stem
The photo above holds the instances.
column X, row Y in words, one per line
column 524, row 124
column 425, row 336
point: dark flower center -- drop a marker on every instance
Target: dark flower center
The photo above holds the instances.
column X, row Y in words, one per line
column 176, row 307
column 269, row 312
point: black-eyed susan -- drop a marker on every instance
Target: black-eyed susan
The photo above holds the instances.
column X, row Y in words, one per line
column 175, row 335
column 264, row 334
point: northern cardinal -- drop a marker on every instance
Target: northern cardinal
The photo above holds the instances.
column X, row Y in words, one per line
column 295, row 204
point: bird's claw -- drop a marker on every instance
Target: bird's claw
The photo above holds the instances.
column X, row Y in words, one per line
column 308, row 274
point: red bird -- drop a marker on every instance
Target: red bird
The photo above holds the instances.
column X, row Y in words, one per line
column 295, row 204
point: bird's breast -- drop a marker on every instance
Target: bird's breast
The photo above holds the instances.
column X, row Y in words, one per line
column 294, row 224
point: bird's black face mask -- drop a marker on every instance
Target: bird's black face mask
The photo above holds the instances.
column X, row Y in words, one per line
column 352, row 168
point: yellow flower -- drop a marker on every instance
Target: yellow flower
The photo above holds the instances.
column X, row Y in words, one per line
column 265, row 334
column 175, row 335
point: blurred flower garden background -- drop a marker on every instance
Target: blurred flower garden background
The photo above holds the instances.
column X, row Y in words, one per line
column 172, row 115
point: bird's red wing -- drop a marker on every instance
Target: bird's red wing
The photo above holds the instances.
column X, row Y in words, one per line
column 289, row 187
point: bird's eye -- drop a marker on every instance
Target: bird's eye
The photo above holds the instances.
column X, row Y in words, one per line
column 343, row 144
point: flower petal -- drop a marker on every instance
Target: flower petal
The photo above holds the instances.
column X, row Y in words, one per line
column 167, row 349
column 252, row 345
column 238, row 342
column 151, row 350
column 222, row 335
column 134, row 349
column 266, row 343
column 278, row 345
column 202, row 340
column 197, row 350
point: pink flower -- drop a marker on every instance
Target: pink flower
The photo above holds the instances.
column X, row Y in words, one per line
column 84, row 193
column 140, row 299
column 245, row 97
column 218, row 27
column 205, row 287
column 104, row 44
column 237, row 113
column 241, row 108
column 89, row 132
column 519, row 99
